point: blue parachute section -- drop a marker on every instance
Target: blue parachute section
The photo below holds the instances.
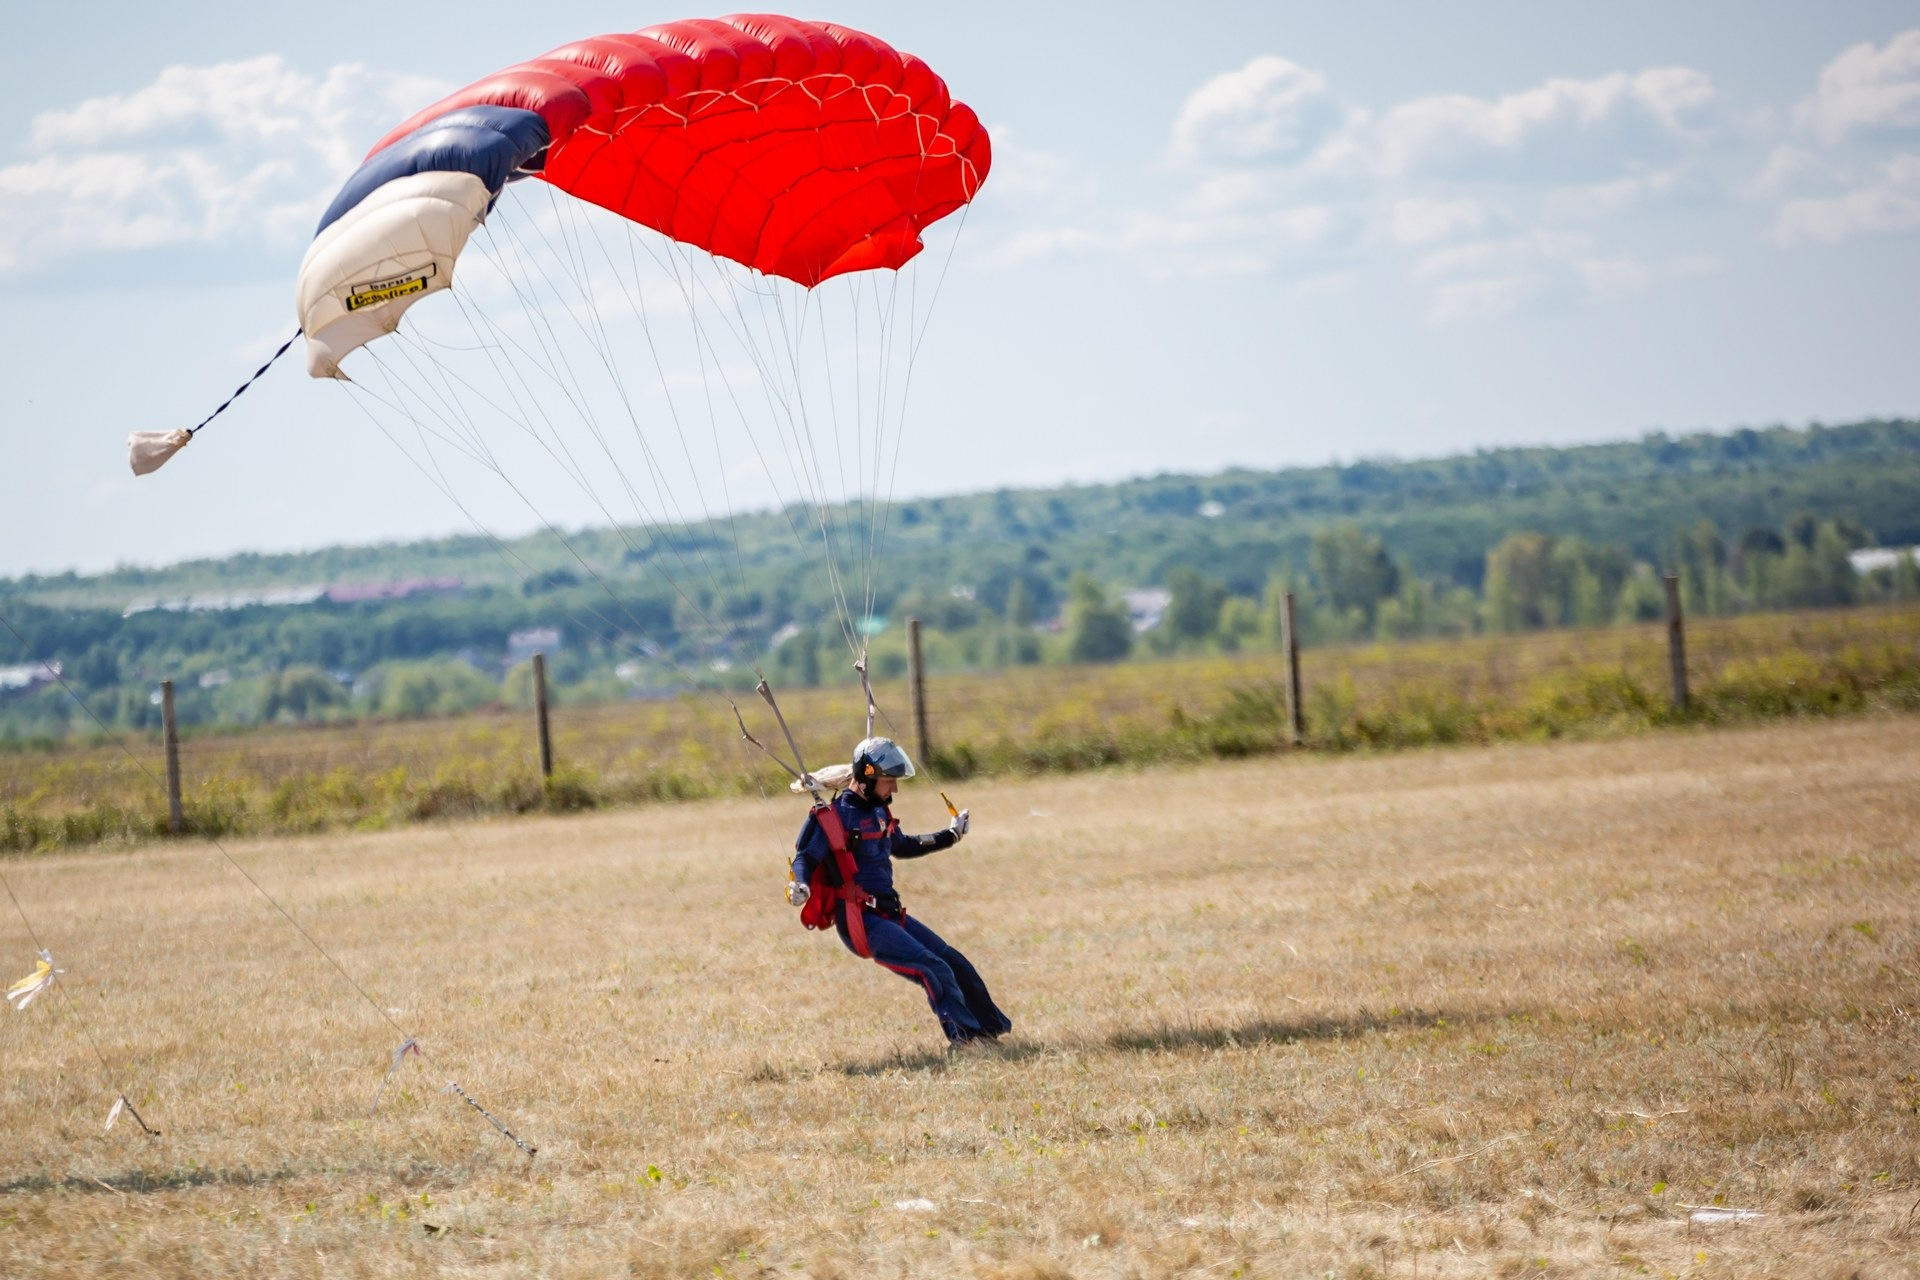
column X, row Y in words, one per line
column 489, row 142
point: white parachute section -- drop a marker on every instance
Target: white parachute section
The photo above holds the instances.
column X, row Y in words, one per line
column 391, row 250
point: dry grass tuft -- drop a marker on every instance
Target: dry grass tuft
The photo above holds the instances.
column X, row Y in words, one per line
column 1514, row 1011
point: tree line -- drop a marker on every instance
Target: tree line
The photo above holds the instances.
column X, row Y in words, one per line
column 1497, row 541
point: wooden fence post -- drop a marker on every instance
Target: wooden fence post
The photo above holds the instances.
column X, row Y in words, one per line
column 170, row 734
column 540, row 714
column 1296, row 719
column 1676, row 643
column 917, row 683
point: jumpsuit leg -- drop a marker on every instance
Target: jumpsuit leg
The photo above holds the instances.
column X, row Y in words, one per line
column 895, row 948
column 973, row 989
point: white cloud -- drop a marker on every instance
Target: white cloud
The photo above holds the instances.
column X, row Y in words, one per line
column 1867, row 90
column 1491, row 278
column 1269, row 109
column 1786, row 167
column 1595, row 201
column 1424, row 220
column 1021, row 172
column 1890, row 204
column 1484, row 205
column 234, row 153
column 1603, row 124
column 1197, row 238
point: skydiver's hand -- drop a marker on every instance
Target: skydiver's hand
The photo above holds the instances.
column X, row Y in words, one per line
column 962, row 822
column 798, row 893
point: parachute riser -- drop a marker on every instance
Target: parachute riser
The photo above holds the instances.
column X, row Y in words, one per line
column 802, row 776
column 866, row 687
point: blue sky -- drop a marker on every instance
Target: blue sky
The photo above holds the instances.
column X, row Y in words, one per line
column 1214, row 234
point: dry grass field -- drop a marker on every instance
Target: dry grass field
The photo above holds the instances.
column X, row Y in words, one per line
column 1521, row 1010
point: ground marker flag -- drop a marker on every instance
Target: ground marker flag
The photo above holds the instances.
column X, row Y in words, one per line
column 22, row 993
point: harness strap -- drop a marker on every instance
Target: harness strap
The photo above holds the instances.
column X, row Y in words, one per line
column 848, row 890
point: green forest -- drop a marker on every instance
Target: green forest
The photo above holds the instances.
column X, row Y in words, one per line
column 1493, row 541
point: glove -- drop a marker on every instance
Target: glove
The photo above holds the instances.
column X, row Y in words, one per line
column 962, row 822
column 798, row 893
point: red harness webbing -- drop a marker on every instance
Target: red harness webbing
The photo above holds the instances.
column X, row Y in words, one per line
column 848, row 892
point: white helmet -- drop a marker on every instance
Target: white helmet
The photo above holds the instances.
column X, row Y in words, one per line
column 876, row 758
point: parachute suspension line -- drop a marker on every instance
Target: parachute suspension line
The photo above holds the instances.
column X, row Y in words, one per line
column 436, row 475
column 235, row 863
column 611, row 636
column 602, row 344
column 776, row 382
column 237, row 391
column 638, row 300
column 916, row 335
column 122, row 1103
column 794, row 339
column 824, row 514
column 849, row 628
column 447, row 489
column 782, row 392
column 637, row 303
column 571, row 388
column 888, row 317
column 702, row 350
column 603, row 347
column 798, row 444
column 520, row 566
column 584, row 281
column 475, row 451
column 555, row 449
column 864, row 490
column 916, row 339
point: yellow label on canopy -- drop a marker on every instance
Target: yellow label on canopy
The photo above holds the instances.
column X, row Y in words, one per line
column 366, row 295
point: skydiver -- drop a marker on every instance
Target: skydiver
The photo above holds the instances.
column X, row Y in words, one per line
column 870, row 912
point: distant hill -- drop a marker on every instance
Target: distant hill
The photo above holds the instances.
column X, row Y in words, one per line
column 1440, row 516
column 636, row 611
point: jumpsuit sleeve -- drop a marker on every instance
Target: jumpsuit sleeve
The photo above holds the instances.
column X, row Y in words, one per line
column 906, row 846
column 809, row 847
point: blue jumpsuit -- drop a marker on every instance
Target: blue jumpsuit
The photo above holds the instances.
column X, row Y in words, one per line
column 954, row 988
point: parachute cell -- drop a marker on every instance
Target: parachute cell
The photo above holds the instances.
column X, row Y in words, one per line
column 801, row 150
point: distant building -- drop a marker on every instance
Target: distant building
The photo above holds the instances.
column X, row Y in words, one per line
column 1876, row 558
column 282, row 597
column 1146, row 606
column 29, row 675
column 211, row 601
column 522, row 645
column 356, row 593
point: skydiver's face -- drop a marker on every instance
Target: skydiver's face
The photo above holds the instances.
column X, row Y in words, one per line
column 884, row 787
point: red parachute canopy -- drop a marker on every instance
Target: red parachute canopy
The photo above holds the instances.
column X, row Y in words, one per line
column 800, row 149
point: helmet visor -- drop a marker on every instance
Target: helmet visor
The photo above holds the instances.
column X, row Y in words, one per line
column 889, row 761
